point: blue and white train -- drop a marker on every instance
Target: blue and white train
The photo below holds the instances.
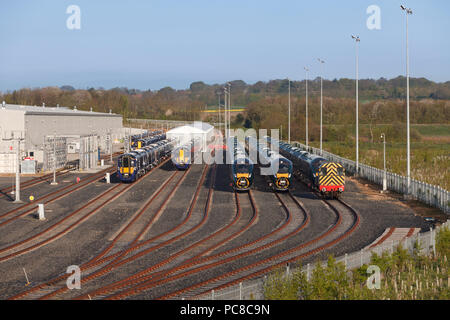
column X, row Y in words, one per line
column 280, row 168
column 241, row 165
column 183, row 154
column 134, row 164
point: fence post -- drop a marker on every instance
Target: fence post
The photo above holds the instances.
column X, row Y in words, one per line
column 433, row 240
column 240, row 290
column 212, row 294
column 361, row 257
column 307, row 272
column 345, row 261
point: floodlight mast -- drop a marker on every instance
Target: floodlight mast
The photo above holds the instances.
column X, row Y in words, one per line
column 356, row 38
column 306, row 113
column 321, row 101
column 408, row 11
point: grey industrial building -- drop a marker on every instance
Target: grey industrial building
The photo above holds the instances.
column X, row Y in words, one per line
column 41, row 129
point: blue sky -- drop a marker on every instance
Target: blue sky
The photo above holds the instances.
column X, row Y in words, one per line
column 152, row 44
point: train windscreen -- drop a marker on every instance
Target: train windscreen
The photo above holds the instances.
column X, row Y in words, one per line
column 125, row 161
column 284, row 166
column 242, row 168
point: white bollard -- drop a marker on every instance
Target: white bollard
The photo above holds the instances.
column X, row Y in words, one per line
column 41, row 211
column 102, row 162
column 108, row 178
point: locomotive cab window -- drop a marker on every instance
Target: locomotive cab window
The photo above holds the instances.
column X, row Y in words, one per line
column 323, row 171
column 125, row 162
column 242, row 168
column 340, row 171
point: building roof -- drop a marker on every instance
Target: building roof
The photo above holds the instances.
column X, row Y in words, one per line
column 35, row 110
column 196, row 127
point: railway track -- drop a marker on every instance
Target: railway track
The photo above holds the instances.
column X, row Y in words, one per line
column 263, row 266
column 42, row 179
column 29, row 183
column 64, row 225
column 200, row 258
column 186, row 263
column 50, row 197
column 58, row 286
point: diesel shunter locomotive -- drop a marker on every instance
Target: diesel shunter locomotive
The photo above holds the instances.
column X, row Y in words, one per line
column 325, row 176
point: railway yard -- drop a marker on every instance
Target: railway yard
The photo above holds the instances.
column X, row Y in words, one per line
column 175, row 234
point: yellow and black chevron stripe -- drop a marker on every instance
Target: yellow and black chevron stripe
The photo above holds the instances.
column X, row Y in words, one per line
column 332, row 178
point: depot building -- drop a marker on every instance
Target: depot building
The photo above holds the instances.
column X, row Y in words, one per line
column 39, row 128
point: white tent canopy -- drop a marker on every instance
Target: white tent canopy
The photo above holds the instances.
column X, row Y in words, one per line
column 188, row 132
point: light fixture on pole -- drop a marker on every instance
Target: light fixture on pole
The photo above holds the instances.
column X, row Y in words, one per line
column 289, row 111
column 53, row 183
column 306, row 114
column 357, row 102
column 383, row 136
column 229, row 107
column 408, row 11
column 321, row 101
column 218, row 95
column 225, row 95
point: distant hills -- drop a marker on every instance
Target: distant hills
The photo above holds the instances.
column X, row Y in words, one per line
column 185, row 104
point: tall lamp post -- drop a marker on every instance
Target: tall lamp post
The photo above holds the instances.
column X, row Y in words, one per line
column 218, row 95
column 306, row 115
column 357, row 101
column 289, row 111
column 225, row 94
column 229, row 107
column 321, row 101
column 383, row 136
column 53, row 183
column 408, row 11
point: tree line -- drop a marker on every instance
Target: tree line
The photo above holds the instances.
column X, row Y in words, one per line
column 381, row 101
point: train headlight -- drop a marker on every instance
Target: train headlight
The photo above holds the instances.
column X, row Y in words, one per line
column 324, row 189
column 341, row 189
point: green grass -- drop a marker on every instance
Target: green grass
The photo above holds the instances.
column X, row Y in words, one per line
column 404, row 276
column 433, row 130
column 429, row 157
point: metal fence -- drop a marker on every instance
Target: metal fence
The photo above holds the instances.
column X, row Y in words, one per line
column 55, row 152
column 88, row 153
column 424, row 243
column 164, row 124
column 429, row 194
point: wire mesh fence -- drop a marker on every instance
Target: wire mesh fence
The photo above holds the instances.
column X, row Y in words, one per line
column 431, row 195
column 422, row 243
